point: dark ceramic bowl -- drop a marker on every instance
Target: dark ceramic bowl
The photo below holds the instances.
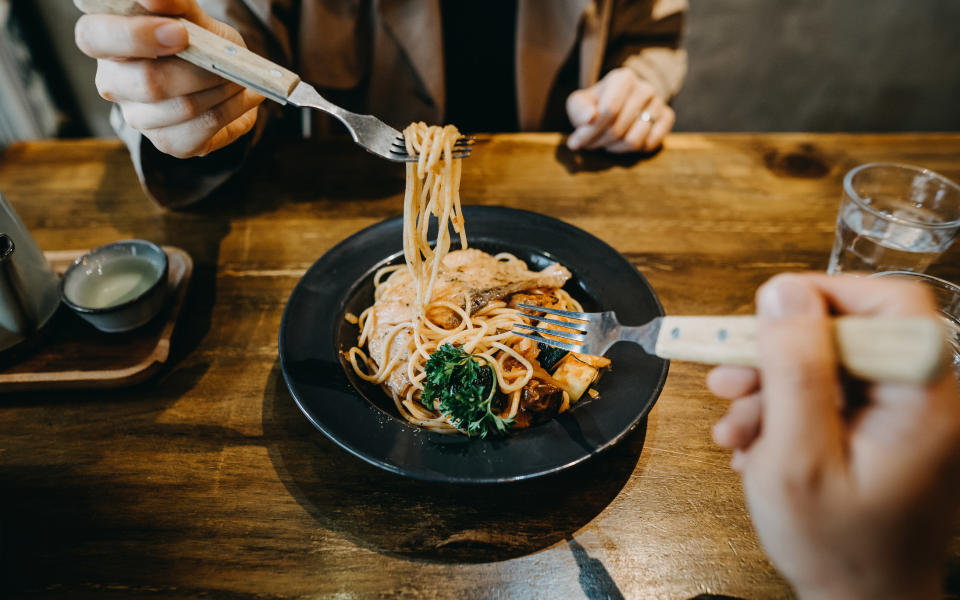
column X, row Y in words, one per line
column 362, row 419
column 117, row 287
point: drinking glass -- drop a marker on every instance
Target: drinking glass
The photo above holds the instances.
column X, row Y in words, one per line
column 894, row 218
column 948, row 302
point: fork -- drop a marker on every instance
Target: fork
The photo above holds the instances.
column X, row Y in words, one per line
column 230, row 61
column 904, row 349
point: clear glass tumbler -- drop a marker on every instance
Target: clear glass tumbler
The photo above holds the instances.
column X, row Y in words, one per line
column 894, row 218
column 948, row 301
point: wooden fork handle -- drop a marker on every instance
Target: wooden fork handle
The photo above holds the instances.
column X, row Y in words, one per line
column 907, row 350
column 214, row 53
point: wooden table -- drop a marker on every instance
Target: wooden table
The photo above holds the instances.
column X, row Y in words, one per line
column 207, row 482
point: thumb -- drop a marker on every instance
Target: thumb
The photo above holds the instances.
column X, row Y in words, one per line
column 582, row 107
column 798, row 366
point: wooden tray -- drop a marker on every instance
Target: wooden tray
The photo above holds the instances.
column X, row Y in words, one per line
column 72, row 354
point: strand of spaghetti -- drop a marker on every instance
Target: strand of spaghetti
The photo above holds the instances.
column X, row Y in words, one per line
column 425, row 416
column 422, row 249
column 443, row 245
column 419, row 338
column 420, row 417
column 424, row 153
column 499, row 337
column 463, row 314
column 459, row 224
column 455, row 337
column 387, row 277
column 388, row 364
column 481, row 336
column 494, row 304
column 436, row 138
column 378, row 276
column 415, row 408
column 569, row 301
column 526, row 365
column 367, row 321
column 415, row 378
column 369, row 365
column 514, row 405
column 428, row 198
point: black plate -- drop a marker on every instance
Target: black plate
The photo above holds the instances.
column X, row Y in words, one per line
column 361, row 418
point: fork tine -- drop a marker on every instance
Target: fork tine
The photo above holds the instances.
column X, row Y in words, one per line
column 553, row 311
column 554, row 343
column 462, row 142
column 578, row 327
column 404, row 157
column 399, row 148
column 576, row 337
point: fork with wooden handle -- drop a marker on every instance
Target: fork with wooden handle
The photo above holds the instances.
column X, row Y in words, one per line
column 239, row 65
column 901, row 349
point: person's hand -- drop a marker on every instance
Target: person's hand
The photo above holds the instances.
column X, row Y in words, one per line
column 184, row 110
column 852, row 487
column 620, row 113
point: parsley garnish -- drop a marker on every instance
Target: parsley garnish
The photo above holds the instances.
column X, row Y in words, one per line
column 463, row 388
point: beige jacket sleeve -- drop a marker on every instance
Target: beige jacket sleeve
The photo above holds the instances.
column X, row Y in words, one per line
column 176, row 182
column 645, row 36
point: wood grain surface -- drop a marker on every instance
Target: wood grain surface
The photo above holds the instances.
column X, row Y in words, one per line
column 207, row 482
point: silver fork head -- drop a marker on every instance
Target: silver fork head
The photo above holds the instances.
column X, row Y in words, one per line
column 588, row 333
column 366, row 130
column 461, row 149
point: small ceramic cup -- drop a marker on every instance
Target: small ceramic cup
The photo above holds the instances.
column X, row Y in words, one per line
column 117, row 287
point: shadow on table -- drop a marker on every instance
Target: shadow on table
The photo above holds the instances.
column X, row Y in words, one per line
column 594, row 579
column 597, row 160
column 434, row 521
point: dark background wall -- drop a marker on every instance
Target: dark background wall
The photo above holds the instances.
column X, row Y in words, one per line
column 755, row 65
column 822, row 65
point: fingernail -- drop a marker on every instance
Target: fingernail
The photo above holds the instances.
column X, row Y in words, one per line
column 171, row 35
column 737, row 461
column 787, row 297
column 575, row 141
column 718, row 430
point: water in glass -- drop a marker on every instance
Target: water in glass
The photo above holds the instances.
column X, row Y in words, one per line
column 866, row 243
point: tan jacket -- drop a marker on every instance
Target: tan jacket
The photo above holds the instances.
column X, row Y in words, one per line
column 385, row 57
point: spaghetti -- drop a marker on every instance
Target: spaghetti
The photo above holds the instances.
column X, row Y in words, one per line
column 433, row 188
column 430, row 301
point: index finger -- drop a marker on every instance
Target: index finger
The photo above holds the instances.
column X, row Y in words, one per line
column 116, row 37
column 847, row 294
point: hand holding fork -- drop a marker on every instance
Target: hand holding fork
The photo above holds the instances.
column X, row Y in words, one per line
column 899, row 349
column 196, row 113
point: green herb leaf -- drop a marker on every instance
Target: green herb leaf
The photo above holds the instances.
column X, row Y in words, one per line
column 462, row 387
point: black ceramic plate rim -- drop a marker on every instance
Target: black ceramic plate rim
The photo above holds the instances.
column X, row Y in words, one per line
column 334, row 313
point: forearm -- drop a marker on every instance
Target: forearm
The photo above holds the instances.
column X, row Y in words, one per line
column 645, row 36
column 174, row 182
column 177, row 183
column 663, row 68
